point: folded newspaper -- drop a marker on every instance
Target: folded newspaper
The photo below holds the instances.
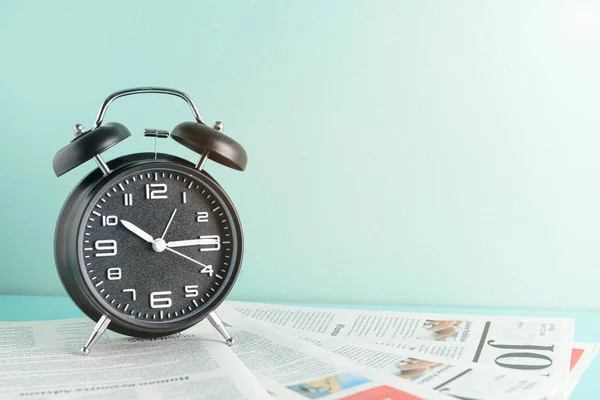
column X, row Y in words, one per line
column 291, row 352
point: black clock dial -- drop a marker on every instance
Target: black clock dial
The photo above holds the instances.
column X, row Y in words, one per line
column 158, row 244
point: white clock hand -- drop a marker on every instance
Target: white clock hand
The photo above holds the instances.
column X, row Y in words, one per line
column 168, row 224
column 189, row 258
column 131, row 227
column 193, row 242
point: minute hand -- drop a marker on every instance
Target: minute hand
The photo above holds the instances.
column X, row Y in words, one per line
column 193, row 242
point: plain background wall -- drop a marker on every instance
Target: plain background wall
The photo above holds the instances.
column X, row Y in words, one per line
column 401, row 152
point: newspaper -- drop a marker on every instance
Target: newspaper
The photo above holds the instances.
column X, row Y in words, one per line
column 359, row 360
column 536, row 346
column 459, row 379
column 581, row 357
column 40, row 360
column 290, row 368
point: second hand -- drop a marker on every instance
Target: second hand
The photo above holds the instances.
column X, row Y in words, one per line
column 184, row 256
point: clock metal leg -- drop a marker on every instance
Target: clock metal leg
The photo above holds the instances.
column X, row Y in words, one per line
column 216, row 322
column 98, row 330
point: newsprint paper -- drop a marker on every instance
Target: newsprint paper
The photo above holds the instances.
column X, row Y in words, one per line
column 458, row 380
column 534, row 346
column 40, row 360
column 290, row 368
column 359, row 355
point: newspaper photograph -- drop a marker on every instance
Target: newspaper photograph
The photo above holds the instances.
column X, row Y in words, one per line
column 41, row 360
column 536, row 346
column 290, row 368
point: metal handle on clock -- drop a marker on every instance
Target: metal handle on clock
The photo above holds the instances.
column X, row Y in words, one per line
column 146, row 90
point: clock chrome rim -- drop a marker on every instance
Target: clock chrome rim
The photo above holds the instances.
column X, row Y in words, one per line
column 70, row 262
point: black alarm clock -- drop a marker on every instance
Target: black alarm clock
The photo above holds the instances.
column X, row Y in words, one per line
column 149, row 244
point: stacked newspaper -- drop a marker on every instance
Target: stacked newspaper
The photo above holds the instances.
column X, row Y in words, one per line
column 459, row 356
column 290, row 352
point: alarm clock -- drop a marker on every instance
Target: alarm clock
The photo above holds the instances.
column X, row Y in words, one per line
column 149, row 244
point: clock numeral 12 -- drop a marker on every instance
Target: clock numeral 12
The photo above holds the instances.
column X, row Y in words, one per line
column 156, row 191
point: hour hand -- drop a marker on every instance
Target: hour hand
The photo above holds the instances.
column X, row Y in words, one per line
column 194, row 242
column 131, row 227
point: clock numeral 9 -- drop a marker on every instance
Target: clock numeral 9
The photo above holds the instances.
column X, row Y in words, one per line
column 110, row 246
column 156, row 301
column 109, row 220
column 158, row 192
column 191, row 291
column 202, row 216
column 113, row 274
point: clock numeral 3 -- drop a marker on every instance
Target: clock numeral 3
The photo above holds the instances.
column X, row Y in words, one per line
column 156, row 191
column 113, row 274
column 110, row 246
column 215, row 245
column 156, row 301
column 191, row 291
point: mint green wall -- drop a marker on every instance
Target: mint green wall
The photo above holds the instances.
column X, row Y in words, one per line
column 400, row 152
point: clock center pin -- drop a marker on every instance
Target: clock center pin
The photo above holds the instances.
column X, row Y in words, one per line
column 159, row 245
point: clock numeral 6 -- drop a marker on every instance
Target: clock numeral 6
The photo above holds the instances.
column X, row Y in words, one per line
column 110, row 220
column 110, row 246
column 113, row 274
column 156, row 191
column 159, row 300
column 191, row 291
column 202, row 216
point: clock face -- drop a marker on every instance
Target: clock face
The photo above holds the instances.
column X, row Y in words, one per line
column 159, row 244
